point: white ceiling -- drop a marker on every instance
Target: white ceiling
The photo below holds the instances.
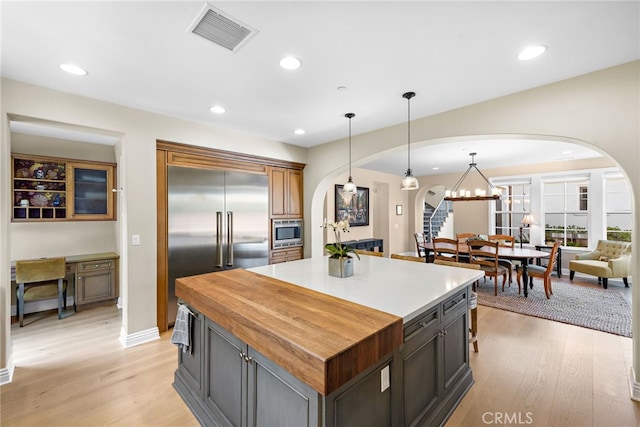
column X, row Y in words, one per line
column 450, row 53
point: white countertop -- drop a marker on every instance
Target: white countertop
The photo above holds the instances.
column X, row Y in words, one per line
column 402, row 288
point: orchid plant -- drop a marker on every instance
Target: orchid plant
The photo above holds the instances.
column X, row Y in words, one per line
column 337, row 249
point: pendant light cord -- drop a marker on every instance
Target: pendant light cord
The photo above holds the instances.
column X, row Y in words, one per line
column 408, row 132
column 350, row 146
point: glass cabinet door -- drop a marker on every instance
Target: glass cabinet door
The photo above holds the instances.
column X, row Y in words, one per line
column 93, row 197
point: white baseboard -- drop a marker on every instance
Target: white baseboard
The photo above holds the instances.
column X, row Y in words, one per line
column 119, row 303
column 6, row 374
column 139, row 337
column 634, row 386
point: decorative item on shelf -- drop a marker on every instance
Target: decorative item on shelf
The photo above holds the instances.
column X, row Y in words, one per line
column 409, row 182
column 340, row 260
column 349, row 189
column 526, row 222
column 456, row 194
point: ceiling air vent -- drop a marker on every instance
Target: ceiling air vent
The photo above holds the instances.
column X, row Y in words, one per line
column 222, row 29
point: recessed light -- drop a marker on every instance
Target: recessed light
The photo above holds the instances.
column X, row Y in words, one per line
column 436, row 168
column 565, row 152
column 531, row 52
column 217, row 109
column 73, row 69
column 299, row 131
column 341, row 88
column 290, row 63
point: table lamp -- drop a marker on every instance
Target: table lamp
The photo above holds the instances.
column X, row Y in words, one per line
column 526, row 221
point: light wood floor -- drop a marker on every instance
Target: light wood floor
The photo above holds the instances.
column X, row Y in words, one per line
column 530, row 371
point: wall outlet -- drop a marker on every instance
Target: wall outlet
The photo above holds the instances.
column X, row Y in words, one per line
column 384, row 378
column 135, row 240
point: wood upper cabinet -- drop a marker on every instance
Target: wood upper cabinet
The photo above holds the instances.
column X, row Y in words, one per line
column 285, row 193
column 52, row 189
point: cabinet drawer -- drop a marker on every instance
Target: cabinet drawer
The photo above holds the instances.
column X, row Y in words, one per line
column 103, row 264
column 285, row 255
column 428, row 319
column 458, row 302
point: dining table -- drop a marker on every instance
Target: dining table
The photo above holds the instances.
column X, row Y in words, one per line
column 524, row 255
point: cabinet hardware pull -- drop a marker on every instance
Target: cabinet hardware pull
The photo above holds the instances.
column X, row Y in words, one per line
column 242, row 355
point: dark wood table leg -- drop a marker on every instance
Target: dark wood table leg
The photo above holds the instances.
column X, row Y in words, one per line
column 525, row 277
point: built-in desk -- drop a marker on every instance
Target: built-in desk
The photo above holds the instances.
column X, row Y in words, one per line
column 94, row 278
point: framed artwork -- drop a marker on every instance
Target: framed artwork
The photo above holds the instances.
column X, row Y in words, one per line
column 356, row 210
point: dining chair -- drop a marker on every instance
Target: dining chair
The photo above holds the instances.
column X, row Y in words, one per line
column 505, row 241
column 370, row 253
column 39, row 279
column 407, row 258
column 485, row 254
column 540, row 272
column 420, row 241
column 473, row 300
column 462, row 239
column 445, row 249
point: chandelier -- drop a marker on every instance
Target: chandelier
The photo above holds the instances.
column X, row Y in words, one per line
column 458, row 194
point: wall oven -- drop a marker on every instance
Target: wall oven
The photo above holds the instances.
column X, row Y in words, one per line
column 286, row 233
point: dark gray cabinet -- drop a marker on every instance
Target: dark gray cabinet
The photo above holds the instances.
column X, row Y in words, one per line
column 433, row 371
column 226, row 382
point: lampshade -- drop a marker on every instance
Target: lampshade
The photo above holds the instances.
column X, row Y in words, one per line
column 409, row 182
column 528, row 220
column 350, row 188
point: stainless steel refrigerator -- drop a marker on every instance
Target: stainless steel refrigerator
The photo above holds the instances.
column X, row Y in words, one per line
column 216, row 221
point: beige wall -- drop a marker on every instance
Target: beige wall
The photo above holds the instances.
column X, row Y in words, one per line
column 135, row 155
column 599, row 110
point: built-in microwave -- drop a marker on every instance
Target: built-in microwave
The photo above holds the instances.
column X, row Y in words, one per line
column 286, row 233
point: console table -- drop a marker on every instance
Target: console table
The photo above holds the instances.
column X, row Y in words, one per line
column 94, row 276
column 365, row 244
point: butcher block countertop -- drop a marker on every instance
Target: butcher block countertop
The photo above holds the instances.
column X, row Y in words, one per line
column 323, row 340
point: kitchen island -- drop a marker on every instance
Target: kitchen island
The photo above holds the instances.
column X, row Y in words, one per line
column 286, row 344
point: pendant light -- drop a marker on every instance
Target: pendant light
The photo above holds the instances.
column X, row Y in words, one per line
column 409, row 182
column 349, row 189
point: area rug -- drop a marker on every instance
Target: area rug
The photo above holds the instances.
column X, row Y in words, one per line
column 600, row 309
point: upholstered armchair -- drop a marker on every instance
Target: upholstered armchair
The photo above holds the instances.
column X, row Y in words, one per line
column 610, row 260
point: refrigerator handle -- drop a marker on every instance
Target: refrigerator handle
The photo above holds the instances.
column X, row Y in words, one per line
column 218, row 254
column 230, row 239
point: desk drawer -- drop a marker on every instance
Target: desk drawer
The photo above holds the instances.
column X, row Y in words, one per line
column 95, row 265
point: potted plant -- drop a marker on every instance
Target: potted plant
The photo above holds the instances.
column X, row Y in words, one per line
column 340, row 260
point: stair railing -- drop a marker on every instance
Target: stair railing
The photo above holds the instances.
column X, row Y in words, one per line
column 433, row 214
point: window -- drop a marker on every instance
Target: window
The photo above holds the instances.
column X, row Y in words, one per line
column 565, row 210
column 511, row 209
column 583, row 198
column 619, row 218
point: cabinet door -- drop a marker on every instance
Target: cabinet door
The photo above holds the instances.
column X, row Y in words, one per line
column 456, row 350
column 285, row 255
column 190, row 364
column 91, row 191
column 277, row 398
column 294, row 193
column 95, row 281
column 420, row 376
column 278, row 192
column 226, row 370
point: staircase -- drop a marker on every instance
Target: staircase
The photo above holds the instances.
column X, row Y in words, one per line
column 438, row 217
